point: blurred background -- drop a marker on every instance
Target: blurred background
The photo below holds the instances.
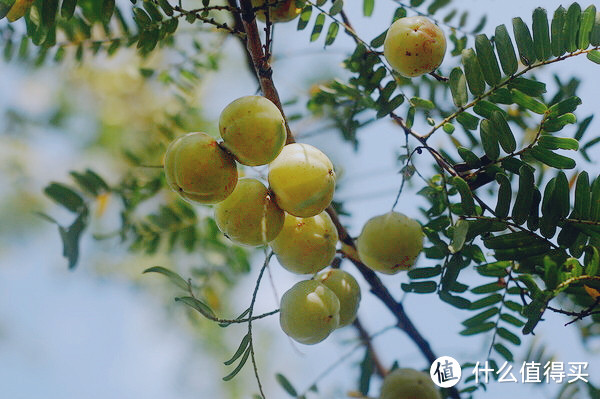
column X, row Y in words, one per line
column 104, row 329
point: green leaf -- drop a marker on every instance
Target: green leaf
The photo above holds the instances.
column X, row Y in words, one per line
column 366, row 371
column 71, row 236
column 505, row 135
column 65, row 196
column 469, row 157
column 555, row 143
column 489, row 139
column 425, row 272
column 581, row 208
column 460, row 234
column 318, row 28
column 528, row 102
column 5, row 6
column 504, row 195
column 559, row 44
column 486, row 109
column 480, row 317
column 240, row 350
column 524, row 195
column 487, row 59
column 485, row 302
column 481, row 328
column 571, row 28
column 551, row 159
column 285, row 383
column 458, row 87
column 174, row 277
column 541, row 34
column 560, row 198
column 332, row 32
column 505, row 50
column 530, row 87
column 557, row 124
column 594, row 56
column 238, row 367
column 524, row 41
column 504, row 352
column 454, row 300
column 166, row 7
column 509, row 336
column 420, row 287
column 200, row 306
column 565, row 106
column 336, row 7
column 304, row 17
column 141, row 17
column 473, row 72
column 368, row 7
column 587, row 24
column 466, row 196
column 467, row 120
column 67, row 8
column 511, row 320
column 595, row 35
column 379, row 40
column 49, row 10
column 487, row 288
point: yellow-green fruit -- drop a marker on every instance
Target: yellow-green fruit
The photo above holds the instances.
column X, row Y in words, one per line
column 302, row 179
column 306, row 245
column 249, row 216
column 199, row 170
column 253, row 129
column 281, row 11
column 408, row 384
column 309, row 312
column 345, row 287
column 414, row 46
column 390, row 243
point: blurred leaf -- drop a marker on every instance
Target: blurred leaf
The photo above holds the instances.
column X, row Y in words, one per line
column 171, row 275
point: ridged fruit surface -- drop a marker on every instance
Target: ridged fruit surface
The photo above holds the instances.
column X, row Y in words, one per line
column 253, row 130
column 309, row 312
column 346, row 288
column 390, row 242
column 199, row 170
column 249, row 216
column 303, row 180
column 414, row 46
column 306, row 245
column 282, row 11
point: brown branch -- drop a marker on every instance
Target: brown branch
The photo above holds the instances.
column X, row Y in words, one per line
column 264, row 72
column 366, row 338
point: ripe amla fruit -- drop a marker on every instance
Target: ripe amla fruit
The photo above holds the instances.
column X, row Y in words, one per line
column 198, row 169
column 306, row 245
column 390, row 242
column 249, row 216
column 253, row 129
column 303, row 180
column 345, row 287
column 408, row 384
column 281, row 11
column 309, row 312
column 414, row 46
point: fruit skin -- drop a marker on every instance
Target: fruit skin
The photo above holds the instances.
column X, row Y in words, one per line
column 414, row 46
column 346, row 288
column 199, row 170
column 309, row 312
column 303, row 180
column 253, row 129
column 283, row 11
column 390, row 242
column 408, row 384
column 306, row 245
column 249, row 216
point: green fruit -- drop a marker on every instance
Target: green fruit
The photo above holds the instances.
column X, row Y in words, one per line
column 199, row 170
column 309, row 312
column 306, row 245
column 282, row 11
column 390, row 243
column 345, row 287
column 408, row 384
column 414, row 46
column 302, row 179
column 253, row 129
column 249, row 216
